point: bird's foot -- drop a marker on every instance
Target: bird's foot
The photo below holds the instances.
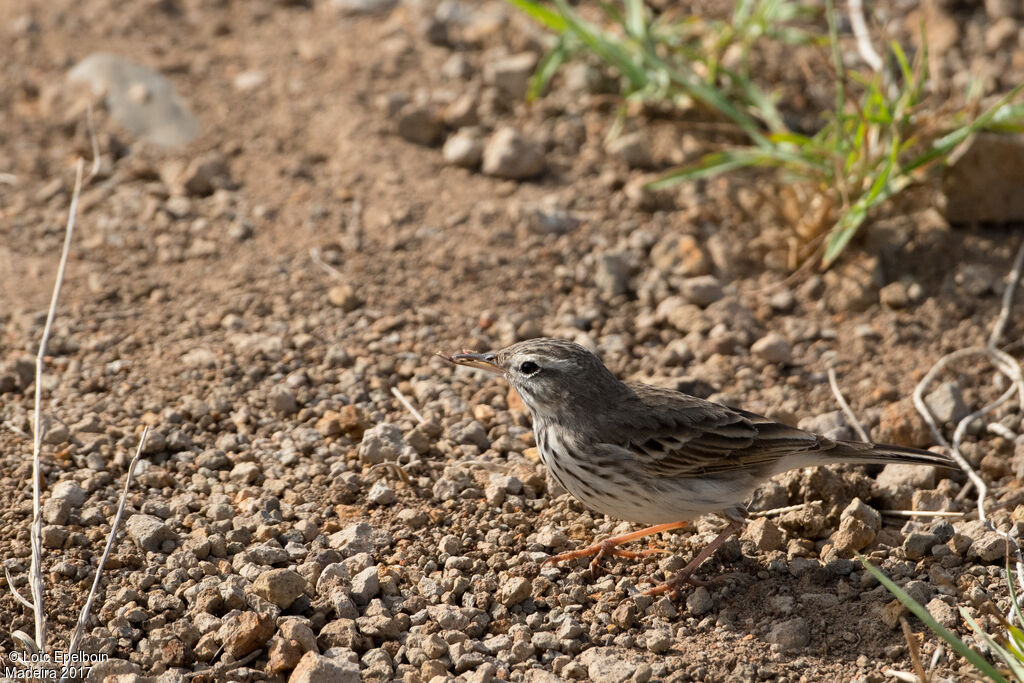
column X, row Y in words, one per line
column 609, row 547
column 685, row 576
column 600, row 550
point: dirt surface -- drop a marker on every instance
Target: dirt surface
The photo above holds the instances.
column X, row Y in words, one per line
column 259, row 323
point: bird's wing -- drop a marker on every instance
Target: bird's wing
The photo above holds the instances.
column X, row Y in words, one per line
column 681, row 435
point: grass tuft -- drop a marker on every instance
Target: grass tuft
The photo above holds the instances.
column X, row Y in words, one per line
column 885, row 131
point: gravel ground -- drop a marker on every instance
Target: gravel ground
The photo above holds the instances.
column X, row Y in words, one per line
column 366, row 188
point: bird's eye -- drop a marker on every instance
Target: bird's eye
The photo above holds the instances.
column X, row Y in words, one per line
column 528, row 367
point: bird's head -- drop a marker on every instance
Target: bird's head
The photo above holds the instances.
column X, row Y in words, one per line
column 552, row 376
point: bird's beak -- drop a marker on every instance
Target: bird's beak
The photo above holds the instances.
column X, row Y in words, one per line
column 481, row 361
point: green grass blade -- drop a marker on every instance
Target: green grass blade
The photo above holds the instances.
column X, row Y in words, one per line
column 547, row 68
column 921, row 613
column 542, row 14
column 613, row 53
column 1013, row 593
column 708, row 165
column 1016, row 667
column 635, row 24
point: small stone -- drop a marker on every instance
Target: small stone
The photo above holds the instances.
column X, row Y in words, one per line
column 206, row 174
column 659, row 641
column 916, row 476
column 901, row 425
column 381, row 443
column 702, row 290
column 245, row 473
column 918, row 545
column 625, row 615
column 773, row 348
column 54, row 536
column 149, row 532
column 381, row 494
column 138, row 98
column 943, row 613
column 251, row 79
column 551, row 537
column 508, row 154
column 852, row 535
column 515, row 590
column 946, row 403
column 764, row 534
column 279, row 586
column 611, row 274
column 791, row 634
column 283, row 655
column 353, row 539
column 70, row 491
column 511, row 75
column 344, row 297
column 365, row 585
column 858, row 509
column 465, row 148
column 420, row 125
column 894, row 295
column 316, row 668
column 699, row 601
column 246, row 632
column 282, row 401
column 990, row 547
column 633, row 149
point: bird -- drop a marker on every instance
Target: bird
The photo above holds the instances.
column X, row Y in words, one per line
column 656, row 456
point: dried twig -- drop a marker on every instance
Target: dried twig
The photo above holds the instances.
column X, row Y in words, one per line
column 408, row 406
column 36, row 536
column 314, row 253
column 219, row 670
column 915, row 651
column 923, row 513
column 845, row 407
column 776, row 511
column 83, row 617
column 860, row 32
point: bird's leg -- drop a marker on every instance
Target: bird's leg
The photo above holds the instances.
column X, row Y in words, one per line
column 609, row 546
column 686, row 575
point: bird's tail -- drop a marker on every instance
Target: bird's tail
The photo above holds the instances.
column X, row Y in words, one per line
column 864, row 453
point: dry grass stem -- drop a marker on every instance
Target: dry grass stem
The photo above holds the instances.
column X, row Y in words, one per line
column 408, row 406
column 35, row 568
column 845, row 407
column 915, row 651
column 860, row 32
column 83, row 617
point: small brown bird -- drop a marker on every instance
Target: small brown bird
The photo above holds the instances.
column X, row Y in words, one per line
column 656, row 456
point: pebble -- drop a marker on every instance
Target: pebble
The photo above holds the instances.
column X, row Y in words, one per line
column 365, row 585
column 381, row 443
column 344, row 297
column 515, row 590
column 764, row 533
column 773, row 348
column 789, row 635
column 149, row 532
column 357, row 7
column 279, row 586
column 140, row 99
column 632, row 149
column 611, row 274
column 246, row 632
column 511, row 75
column 381, row 494
column 317, row 668
column 465, row 148
column 946, row 403
column 420, row 124
column 282, row 401
column 702, row 290
column 699, row 601
column 508, row 154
